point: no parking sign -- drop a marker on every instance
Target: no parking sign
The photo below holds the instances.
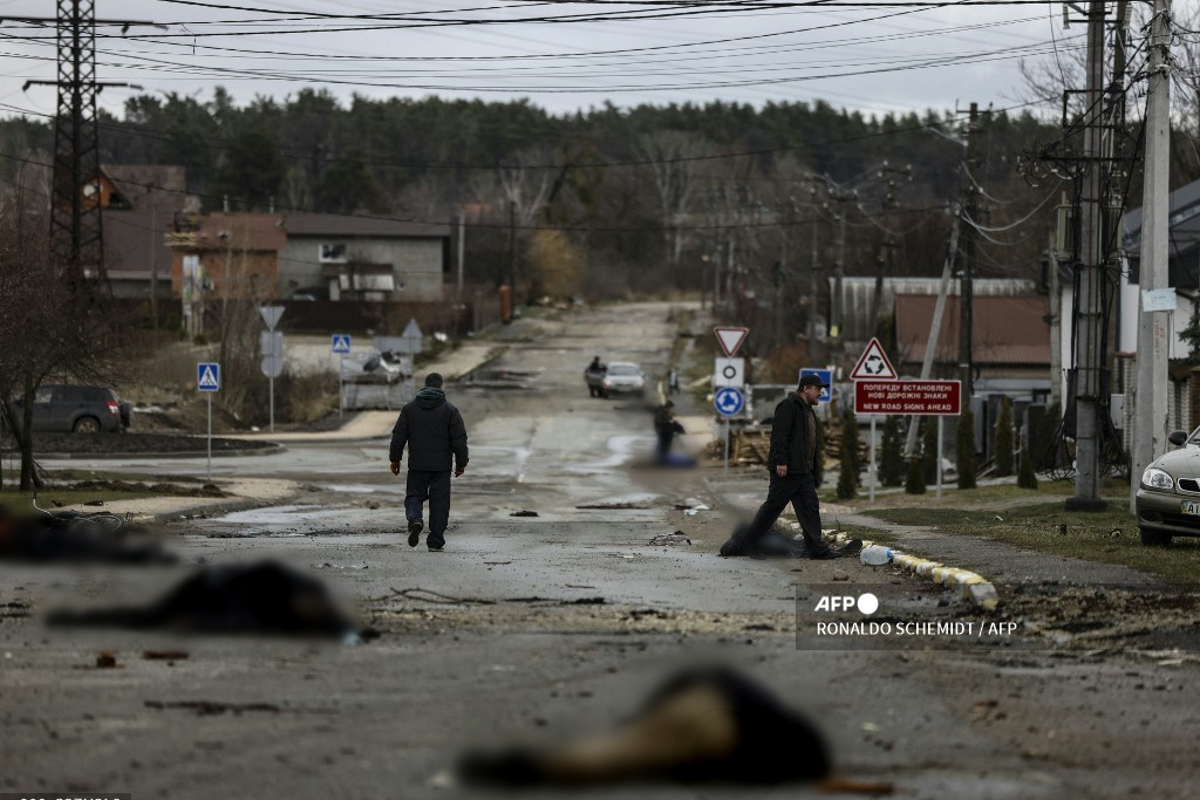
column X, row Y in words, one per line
column 729, row 372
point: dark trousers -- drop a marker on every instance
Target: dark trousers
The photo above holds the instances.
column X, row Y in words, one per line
column 801, row 492
column 665, row 435
column 434, row 486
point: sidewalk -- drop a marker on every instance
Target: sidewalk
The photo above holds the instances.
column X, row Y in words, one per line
column 455, row 365
column 245, row 493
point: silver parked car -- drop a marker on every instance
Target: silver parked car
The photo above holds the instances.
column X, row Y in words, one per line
column 1168, row 499
column 624, row 378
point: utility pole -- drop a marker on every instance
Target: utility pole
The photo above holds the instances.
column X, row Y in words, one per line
column 462, row 238
column 76, row 229
column 966, row 295
column 1055, row 324
column 835, row 329
column 1150, row 399
column 155, row 243
column 840, row 196
column 935, row 327
column 512, row 247
column 814, row 256
column 1089, row 346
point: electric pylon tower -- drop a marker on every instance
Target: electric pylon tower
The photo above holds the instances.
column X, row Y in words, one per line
column 76, row 222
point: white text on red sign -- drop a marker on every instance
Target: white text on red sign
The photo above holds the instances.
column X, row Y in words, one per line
column 908, row 397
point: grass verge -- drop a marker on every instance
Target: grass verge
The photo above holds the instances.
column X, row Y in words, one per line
column 48, row 498
column 1109, row 537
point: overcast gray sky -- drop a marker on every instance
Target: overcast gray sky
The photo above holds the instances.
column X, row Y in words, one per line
column 895, row 58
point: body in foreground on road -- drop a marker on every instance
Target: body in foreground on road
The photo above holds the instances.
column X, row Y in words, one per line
column 433, row 431
column 792, row 467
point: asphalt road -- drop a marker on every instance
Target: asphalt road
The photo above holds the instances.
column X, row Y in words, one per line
column 503, row 638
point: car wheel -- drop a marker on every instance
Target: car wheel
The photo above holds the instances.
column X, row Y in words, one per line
column 87, row 425
column 1152, row 538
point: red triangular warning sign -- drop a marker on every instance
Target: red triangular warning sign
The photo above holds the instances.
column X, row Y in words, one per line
column 873, row 365
column 731, row 339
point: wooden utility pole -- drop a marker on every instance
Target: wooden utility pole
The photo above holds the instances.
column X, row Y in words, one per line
column 966, row 294
column 1150, row 399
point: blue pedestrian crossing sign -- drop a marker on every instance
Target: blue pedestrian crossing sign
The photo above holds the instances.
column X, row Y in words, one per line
column 341, row 343
column 826, row 376
column 208, row 376
column 729, row 401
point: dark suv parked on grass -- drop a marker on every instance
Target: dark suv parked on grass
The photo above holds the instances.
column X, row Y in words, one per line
column 83, row 409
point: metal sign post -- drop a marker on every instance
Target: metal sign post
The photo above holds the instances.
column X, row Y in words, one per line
column 208, row 380
column 271, row 344
column 914, row 397
column 729, row 376
column 272, row 351
column 728, row 401
column 340, row 345
column 941, row 419
column 871, row 445
column 725, row 470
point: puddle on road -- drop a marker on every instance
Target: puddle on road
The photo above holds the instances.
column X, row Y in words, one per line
column 280, row 515
column 361, row 488
column 643, row 500
column 519, row 379
column 621, row 448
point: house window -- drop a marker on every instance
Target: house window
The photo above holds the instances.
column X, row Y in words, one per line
column 332, row 253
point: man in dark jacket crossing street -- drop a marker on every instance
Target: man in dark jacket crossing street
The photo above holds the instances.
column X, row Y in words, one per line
column 792, row 466
column 436, row 437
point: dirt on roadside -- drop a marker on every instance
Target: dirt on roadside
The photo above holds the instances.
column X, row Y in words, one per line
column 132, row 443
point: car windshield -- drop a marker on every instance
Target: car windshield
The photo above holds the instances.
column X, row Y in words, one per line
column 623, row 369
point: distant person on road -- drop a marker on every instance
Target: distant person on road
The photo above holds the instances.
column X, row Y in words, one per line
column 791, row 463
column 595, row 374
column 436, row 436
column 673, row 381
column 665, row 428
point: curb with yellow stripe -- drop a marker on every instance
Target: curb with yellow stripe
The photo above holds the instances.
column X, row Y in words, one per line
column 976, row 588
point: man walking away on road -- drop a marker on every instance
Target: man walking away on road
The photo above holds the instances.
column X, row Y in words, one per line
column 673, row 381
column 435, row 435
column 792, row 467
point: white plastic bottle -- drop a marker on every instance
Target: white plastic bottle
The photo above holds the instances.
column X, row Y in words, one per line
column 876, row 555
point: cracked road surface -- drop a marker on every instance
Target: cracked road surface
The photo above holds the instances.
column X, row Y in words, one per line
column 535, row 628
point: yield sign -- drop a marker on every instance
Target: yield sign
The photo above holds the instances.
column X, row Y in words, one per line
column 271, row 315
column 731, row 339
column 873, row 365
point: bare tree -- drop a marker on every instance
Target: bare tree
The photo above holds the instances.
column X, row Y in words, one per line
column 517, row 192
column 672, row 165
column 47, row 331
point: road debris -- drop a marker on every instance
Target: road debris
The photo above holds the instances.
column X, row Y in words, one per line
column 670, row 539
column 206, row 708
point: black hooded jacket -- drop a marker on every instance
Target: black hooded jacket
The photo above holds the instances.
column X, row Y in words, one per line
column 433, row 431
column 789, row 436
